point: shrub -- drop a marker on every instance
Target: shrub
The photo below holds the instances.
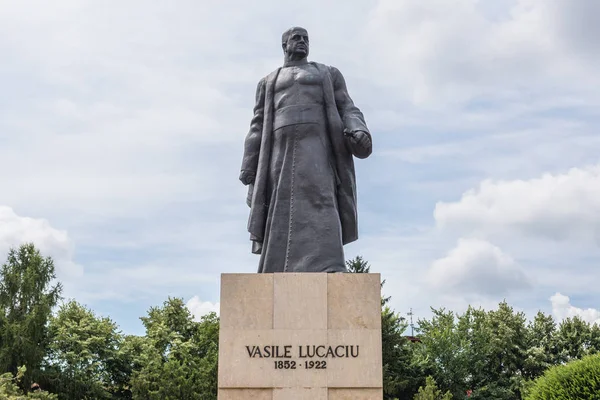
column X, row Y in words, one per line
column 9, row 389
column 577, row 380
column 431, row 392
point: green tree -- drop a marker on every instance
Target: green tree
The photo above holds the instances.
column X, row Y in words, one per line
column 83, row 357
column 431, row 392
column 478, row 351
column 595, row 338
column 575, row 339
column 473, row 328
column 505, row 353
column 358, row 266
column 446, row 349
column 27, row 295
column 178, row 357
column 403, row 372
column 129, row 362
column 542, row 348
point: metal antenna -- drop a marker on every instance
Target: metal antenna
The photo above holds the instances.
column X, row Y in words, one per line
column 412, row 326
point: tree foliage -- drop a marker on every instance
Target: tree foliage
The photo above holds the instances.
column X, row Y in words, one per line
column 10, row 390
column 83, row 358
column 431, row 392
column 403, row 372
column 27, row 295
column 358, row 265
column 576, row 339
column 542, row 348
column 178, row 357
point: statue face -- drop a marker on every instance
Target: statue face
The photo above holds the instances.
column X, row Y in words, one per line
column 297, row 43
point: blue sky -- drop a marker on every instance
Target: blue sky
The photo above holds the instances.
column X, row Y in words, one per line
column 122, row 126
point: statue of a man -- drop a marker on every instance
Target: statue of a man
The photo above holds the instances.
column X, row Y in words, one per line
column 298, row 163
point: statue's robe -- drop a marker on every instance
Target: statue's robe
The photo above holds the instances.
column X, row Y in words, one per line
column 299, row 221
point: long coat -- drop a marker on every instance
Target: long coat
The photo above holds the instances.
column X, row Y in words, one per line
column 342, row 115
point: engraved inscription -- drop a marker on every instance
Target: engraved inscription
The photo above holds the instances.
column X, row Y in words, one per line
column 305, row 355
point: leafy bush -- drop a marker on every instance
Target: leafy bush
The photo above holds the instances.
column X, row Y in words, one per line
column 577, row 380
column 431, row 392
column 9, row 389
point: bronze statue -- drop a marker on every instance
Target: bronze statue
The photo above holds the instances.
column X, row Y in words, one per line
column 298, row 164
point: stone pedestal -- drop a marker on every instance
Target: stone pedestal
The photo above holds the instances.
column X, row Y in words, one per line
column 303, row 336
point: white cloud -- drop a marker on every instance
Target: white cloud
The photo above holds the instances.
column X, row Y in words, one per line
column 440, row 51
column 562, row 308
column 477, row 267
column 198, row 308
column 557, row 206
column 16, row 230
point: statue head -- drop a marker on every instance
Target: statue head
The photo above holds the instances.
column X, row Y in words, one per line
column 294, row 42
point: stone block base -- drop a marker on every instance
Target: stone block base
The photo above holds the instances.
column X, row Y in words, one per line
column 303, row 336
column 300, row 394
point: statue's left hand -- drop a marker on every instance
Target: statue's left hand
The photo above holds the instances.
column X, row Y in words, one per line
column 362, row 139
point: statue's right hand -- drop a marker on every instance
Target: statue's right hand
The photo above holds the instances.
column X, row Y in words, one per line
column 247, row 177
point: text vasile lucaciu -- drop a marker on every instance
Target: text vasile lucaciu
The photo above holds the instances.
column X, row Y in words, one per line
column 304, row 351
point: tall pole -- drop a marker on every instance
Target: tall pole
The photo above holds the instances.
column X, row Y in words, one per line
column 412, row 327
